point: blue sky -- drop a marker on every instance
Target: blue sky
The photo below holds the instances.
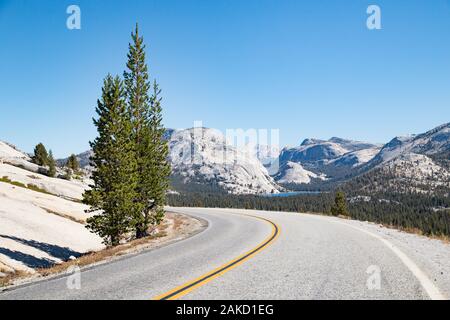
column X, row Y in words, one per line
column 308, row 68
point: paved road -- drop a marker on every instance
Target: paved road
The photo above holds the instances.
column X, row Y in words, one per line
column 238, row 256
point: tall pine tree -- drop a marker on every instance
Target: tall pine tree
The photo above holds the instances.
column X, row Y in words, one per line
column 146, row 130
column 115, row 178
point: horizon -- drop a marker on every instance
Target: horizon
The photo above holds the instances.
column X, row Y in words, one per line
column 229, row 64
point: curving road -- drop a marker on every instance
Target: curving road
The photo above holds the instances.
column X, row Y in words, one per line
column 255, row 255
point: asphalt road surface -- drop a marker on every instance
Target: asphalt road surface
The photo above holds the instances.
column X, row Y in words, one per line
column 253, row 255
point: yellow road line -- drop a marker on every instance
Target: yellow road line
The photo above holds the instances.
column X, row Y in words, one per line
column 197, row 282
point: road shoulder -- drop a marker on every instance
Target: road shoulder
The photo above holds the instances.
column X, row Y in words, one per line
column 177, row 227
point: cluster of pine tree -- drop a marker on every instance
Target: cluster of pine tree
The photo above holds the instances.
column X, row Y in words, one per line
column 130, row 155
column 45, row 159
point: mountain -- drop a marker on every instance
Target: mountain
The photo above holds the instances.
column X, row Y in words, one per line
column 356, row 158
column 429, row 143
column 266, row 154
column 408, row 163
column 294, row 173
column 313, row 150
column 415, row 163
column 324, row 160
column 201, row 155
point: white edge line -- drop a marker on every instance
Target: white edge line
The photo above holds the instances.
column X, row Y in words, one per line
column 432, row 291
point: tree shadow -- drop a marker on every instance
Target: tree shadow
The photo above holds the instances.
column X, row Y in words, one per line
column 62, row 253
column 26, row 259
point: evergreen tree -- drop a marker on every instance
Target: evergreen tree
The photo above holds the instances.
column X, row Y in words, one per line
column 340, row 206
column 159, row 170
column 51, row 165
column 115, row 178
column 146, row 127
column 40, row 156
column 72, row 163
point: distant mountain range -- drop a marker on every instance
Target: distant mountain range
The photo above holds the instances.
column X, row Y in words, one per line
column 201, row 158
column 321, row 161
column 416, row 163
column 412, row 163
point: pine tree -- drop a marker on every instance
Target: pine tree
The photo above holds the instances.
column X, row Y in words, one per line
column 40, row 156
column 159, row 169
column 72, row 163
column 145, row 133
column 340, row 206
column 115, row 178
column 51, row 165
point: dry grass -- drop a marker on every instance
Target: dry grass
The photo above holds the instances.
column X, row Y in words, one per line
column 22, row 185
column 415, row 231
column 419, row 232
column 10, row 277
column 178, row 222
column 63, row 215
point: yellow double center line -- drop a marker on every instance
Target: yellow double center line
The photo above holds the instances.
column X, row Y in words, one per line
column 200, row 281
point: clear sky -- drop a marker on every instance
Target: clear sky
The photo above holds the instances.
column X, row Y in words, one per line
column 308, row 68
